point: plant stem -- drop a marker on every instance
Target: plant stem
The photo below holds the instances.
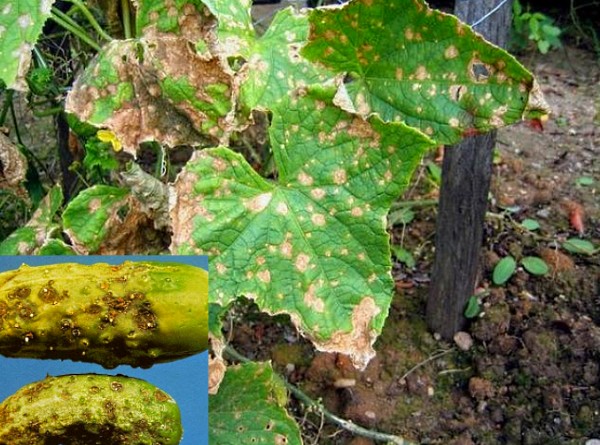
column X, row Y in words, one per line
column 70, row 25
column 317, row 406
column 126, row 19
column 90, row 18
column 39, row 58
column 48, row 112
column 417, row 203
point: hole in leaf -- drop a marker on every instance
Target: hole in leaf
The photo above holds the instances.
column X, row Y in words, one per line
column 480, row 72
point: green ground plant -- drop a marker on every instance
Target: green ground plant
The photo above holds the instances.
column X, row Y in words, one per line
column 355, row 96
column 535, row 27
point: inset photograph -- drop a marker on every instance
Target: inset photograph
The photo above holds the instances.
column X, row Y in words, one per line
column 104, row 349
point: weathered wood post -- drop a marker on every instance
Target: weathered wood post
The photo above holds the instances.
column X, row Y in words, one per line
column 466, row 174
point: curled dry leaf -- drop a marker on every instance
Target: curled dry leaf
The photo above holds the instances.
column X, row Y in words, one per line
column 576, row 215
column 216, row 364
column 13, row 167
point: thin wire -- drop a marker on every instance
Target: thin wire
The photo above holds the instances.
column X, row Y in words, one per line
column 489, row 14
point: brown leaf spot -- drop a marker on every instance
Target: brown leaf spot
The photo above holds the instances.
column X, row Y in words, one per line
column 356, row 212
column 302, row 262
column 259, row 203
column 264, row 276
column 317, row 193
column 305, row 179
column 312, row 301
column 451, row 52
column 399, row 74
column 358, row 341
column 221, row 268
column 421, row 73
column 339, row 176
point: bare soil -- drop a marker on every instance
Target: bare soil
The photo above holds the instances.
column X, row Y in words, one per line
column 529, row 368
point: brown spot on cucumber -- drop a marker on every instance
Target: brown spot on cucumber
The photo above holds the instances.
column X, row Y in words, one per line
column 20, row 293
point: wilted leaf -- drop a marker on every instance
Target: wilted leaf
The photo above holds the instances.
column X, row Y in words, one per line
column 314, row 243
column 21, row 24
column 504, row 270
column 407, row 62
column 250, row 408
column 13, row 167
column 89, row 216
column 154, row 89
column 535, row 265
column 25, row 240
column 151, row 193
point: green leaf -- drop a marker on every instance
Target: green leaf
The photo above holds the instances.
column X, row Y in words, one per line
column 313, row 244
column 88, row 216
column 404, row 256
column 473, row 307
column 250, row 408
column 535, row 265
column 405, row 61
column 403, row 215
column 215, row 316
column 25, row 240
column 99, row 155
column 504, row 270
column 576, row 245
column 273, row 65
column 55, row 247
column 40, row 81
column 530, row 224
column 21, row 24
column 435, row 172
column 584, row 181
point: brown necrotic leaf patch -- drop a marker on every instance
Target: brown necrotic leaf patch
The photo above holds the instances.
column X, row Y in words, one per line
column 154, row 89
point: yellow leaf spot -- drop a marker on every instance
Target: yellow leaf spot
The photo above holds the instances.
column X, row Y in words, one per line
column 109, row 136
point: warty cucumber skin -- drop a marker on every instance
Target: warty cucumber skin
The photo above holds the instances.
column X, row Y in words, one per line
column 138, row 313
column 90, row 409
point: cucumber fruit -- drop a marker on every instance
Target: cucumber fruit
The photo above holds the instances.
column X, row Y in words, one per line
column 90, row 409
column 137, row 313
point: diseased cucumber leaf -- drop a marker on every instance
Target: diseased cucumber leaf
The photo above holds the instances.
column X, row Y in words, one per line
column 313, row 244
column 154, row 89
column 25, row 240
column 56, row 247
column 404, row 61
column 21, row 24
column 273, row 66
column 250, row 408
column 185, row 18
column 88, row 217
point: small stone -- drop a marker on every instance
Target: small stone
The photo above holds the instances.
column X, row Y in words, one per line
column 463, row 340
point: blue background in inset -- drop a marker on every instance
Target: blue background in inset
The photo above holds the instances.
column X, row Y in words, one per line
column 185, row 380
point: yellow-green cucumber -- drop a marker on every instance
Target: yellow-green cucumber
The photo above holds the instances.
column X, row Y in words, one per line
column 137, row 313
column 90, row 409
